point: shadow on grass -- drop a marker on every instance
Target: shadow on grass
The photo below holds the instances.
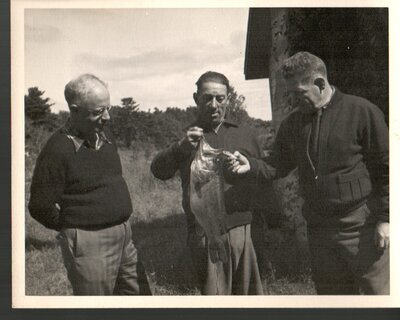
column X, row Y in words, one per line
column 32, row 243
column 162, row 249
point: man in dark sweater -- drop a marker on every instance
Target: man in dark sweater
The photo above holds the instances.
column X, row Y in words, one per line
column 240, row 274
column 78, row 189
column 339, row 143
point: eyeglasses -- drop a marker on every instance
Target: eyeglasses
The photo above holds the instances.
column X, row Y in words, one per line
column 100, row 111
column 205, row 98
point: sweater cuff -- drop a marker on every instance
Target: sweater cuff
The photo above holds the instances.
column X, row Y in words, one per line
column 182, row 149
column 237, row 219
column 383, row 217
column 50, row 219
column 253, row 173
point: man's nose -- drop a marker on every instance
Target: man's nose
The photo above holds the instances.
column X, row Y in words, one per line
column 214, row 103
column 106, row 115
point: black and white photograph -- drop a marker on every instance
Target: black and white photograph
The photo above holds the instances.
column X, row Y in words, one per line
column 202, row 154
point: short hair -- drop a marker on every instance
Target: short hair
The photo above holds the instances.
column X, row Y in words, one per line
column 303, row 63
column 212, row 76
column 79, row 87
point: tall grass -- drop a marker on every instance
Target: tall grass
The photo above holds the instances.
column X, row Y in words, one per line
column 159, row 233
column 159, row 225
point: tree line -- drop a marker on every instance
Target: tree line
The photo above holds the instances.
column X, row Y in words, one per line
column 130, row 125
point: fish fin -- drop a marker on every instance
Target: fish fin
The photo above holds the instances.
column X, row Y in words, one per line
column 197, row 188
column 218, row 251
column 213, row 255
column 222, row 252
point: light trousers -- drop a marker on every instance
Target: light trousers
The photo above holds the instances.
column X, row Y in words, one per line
column 238, row 276
column 103, row 262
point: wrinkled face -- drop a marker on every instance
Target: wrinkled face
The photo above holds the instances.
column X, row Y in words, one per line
column 92, row 113
column 304, row 93
column 211, row 99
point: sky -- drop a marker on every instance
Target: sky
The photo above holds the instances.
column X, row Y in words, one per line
column 152, row 55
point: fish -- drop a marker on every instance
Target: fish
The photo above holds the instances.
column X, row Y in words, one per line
column 207, row 197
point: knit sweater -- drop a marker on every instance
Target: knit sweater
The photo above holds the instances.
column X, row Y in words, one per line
column 81, row 188
column 352, row 165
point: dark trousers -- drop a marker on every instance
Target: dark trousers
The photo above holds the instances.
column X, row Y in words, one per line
column 103, row 262
column 345, row 259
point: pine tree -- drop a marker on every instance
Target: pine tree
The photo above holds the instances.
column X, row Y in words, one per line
column 38, row 113
column 236, row 109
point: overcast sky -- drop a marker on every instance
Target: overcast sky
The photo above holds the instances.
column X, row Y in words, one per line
column 152, row 55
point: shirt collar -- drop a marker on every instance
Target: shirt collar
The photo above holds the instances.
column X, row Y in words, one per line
column 217, row 127
column 226, row 123
column 78, row 141
column 330, row 99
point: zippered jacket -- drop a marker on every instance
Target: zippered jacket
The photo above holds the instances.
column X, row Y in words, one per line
column 352, row 164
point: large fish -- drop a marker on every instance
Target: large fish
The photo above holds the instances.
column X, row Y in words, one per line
column 207, row 197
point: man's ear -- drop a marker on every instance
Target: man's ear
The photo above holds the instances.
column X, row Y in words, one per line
column 320, row 83
column 73, row 108
column 195, row 97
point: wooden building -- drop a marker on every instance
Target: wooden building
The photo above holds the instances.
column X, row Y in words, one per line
column 353, row 42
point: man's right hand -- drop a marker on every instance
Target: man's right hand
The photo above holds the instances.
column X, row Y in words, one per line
column 193, row 136
column 239, row 164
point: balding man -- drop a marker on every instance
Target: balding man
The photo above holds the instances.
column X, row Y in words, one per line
column 78, row 189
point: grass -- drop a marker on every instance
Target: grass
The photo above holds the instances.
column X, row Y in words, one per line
column 159, row 232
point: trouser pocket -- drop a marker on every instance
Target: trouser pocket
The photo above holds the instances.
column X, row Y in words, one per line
column 354, row 186
column 67, row 239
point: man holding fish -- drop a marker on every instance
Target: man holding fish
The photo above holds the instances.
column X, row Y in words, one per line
column 217, row 197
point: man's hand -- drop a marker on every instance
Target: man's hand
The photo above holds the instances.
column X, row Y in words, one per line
column 193, row 136
column 238, row 163
column 382, row 235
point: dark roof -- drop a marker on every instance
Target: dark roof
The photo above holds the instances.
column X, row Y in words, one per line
column 258, row 44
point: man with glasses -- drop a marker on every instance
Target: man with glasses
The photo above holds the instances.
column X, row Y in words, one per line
column 78, row 189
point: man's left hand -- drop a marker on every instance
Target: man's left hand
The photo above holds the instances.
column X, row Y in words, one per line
column 239, row 164
column 382, row 236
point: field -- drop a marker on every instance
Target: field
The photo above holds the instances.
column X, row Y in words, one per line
column 159, row 229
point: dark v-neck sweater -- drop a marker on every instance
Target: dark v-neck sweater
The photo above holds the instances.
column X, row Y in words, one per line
column 87, row 185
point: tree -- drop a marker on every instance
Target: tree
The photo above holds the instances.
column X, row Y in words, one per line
column 36, row 107
column 161, row 128
column 236, row 109
column 125, row 120
column 130, row 104
column 62, row 117
column 131, row 110
column 38, row 112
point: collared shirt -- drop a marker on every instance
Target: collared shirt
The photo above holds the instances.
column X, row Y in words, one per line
column 78, row 142
column 219, row 126
column 207, row 126
column 330, row 99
